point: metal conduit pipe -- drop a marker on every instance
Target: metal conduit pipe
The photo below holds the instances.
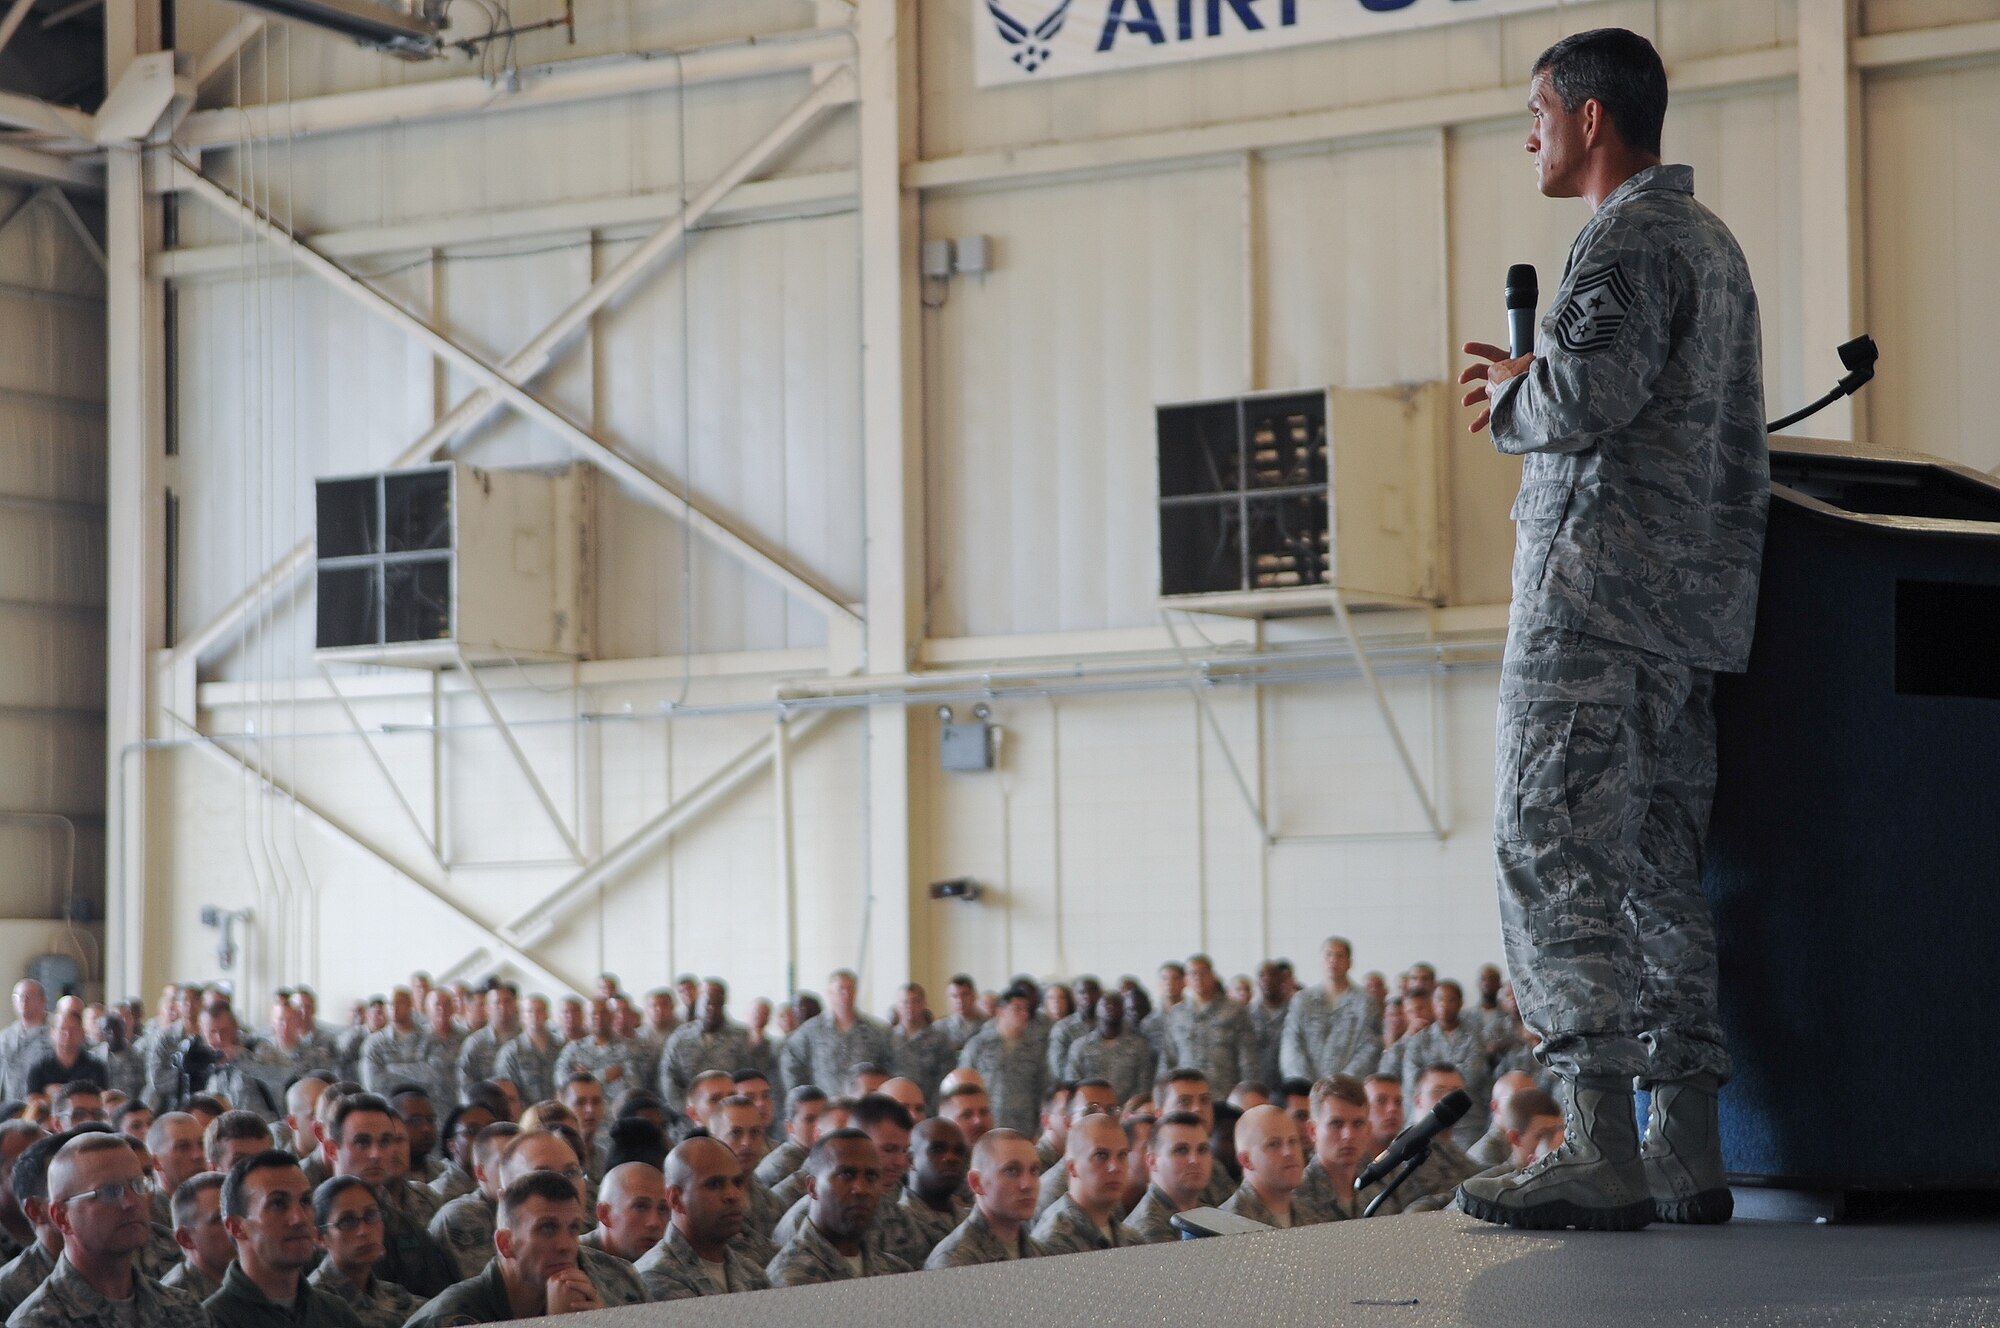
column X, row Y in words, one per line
column 800, row 696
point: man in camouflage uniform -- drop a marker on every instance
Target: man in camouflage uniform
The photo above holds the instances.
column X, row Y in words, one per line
column 613, row 1059
column 529, row 1060
column 1183, row 1169
column 1638, row 546
column 1209, row 1032
column 481, row 1048
column 712, row 1042
column 962, row 995
column 939, row 1159
column 1086, row 1216
column 28, row 1269
column 1448, row 1038
column 830, row 1044
column 1084, row 995
column 96, row 1188
column 406, row 1053
column 1273, row 1156
column 1113, row 1052
column 1332, row 1028
column 844, row 1181
column 536, row 1260
column 1012, row 1061
column 1340, row 1146
column 706, row 1207
column 920, row 1049
column 1005, row 1177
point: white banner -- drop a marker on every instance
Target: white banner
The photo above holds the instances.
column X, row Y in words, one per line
column 1025, row 41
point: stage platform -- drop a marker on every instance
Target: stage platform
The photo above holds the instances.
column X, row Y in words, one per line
column 1429, row 1271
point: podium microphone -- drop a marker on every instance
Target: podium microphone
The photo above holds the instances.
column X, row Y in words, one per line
column 1522, row 294
column 1417, row 1137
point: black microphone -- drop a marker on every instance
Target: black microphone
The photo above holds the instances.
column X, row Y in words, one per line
column 1416, row 1138
column 1522, row 293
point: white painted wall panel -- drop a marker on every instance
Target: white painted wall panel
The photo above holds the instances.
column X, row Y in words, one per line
column 1933, row 278
column 1106, row 299
column 1351, row 259
column 52, row 559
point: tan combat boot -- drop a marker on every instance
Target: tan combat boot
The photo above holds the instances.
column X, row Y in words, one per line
column 1594, row 1182
column 1683, row 1153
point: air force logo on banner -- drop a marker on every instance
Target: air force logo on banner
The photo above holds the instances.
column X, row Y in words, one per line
column 1596, row 310
column 1031, row 44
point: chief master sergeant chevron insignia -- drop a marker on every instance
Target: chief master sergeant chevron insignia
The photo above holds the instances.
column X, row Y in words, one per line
column 1033, row 42
column 1596, row 310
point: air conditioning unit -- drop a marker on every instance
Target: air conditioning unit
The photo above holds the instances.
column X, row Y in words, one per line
column 1270, row 502
column 423, row 567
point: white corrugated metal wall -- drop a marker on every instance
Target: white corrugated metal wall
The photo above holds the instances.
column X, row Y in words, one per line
column 1114, row 833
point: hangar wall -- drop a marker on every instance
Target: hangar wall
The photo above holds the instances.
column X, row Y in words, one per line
column 1308, row 249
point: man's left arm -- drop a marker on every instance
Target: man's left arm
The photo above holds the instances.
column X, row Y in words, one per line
column 1604, row 349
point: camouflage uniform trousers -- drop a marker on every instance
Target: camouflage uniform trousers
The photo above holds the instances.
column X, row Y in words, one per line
column 1606, row 773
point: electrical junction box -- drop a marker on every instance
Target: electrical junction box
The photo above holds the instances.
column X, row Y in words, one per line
column 1269, row 502
column 967, row 746
column 421, row 567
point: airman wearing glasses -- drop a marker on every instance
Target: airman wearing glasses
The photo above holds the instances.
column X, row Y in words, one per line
column 349, row 1218
column 267, row 1206
column 99, row 1199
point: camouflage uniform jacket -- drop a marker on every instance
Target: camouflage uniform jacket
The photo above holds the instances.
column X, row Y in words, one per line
column 65, row 1300
column 451, row 1183
column 1216, row 1038
column 924, row 1058
column 689, row 1051
column 23, row 1273
column 241, row 1303
column 417, row 1202
column 1462, row 1047
column 477, row 1054
column 410, row 1258
column 1326, row 1036
column 124, row 1070
column 390, row 1058
column 184, row 1276
column 1128, row 1062
column 1246, row 1202
column 1151, row 1219
column 615, row 1063
column 810, row 1260
column 764, row 1208
column 1067, row 1229
column 894, row 1230
column 617, row 1282
column 532, row 1069
column 672, row 1270
column 382, row 1305
column 780, row 1162
column 464, row 1228
column 958, row 1030
column 21, row 1045
column 1328, row 1201
column 1270, row 1025
column 927, row 1224
column 974, row 1243
column 161, row 1253
column 1016, row 1075
column 1441, row 1173
column 822, row 1053
column 1062, row 1036
column 478, row 1299
column 1642, row 507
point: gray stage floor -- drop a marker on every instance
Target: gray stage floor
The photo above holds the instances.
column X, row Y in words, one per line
column 1437, row 1269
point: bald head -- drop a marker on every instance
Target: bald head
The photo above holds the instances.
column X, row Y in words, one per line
column 906, row 1092
column 632, row 1210
column 1272, row 1151
column 1506, row 1086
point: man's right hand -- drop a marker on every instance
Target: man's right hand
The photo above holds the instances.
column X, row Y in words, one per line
column 1498, row 369
column 571, row 1290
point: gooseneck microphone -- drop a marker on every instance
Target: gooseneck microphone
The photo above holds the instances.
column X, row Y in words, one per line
column 1417, row 1137
column 1522, row 295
